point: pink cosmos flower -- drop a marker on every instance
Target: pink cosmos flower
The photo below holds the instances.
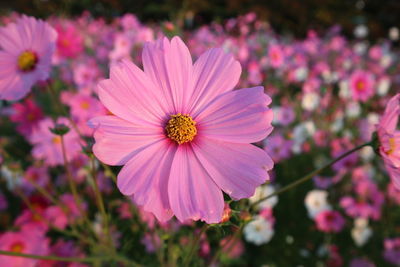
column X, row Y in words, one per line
column 362, row 85
column 26, row 48
column 26, row 115
column 69, row 41
column 28, row 241
column 389, row 139
column 181, row 132
column 329, row 221
column 276, row 56
column 47, row 145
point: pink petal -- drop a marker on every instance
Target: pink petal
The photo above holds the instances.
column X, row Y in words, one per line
column 145, row 177
column 390, row 117
column 130, row 94
column 236, row 168
column 169, row 66
column 240, row 116
column 118, row 140
column 14, row 87
column 192, row 192
column 215, row 72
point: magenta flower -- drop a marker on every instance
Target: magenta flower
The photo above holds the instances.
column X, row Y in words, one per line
column 362, row 85
column 181, row 132
column 276, row 56
column 26, row 49
column 389, row 139
column 69, row 41
column 27, row 115
column 330, row 221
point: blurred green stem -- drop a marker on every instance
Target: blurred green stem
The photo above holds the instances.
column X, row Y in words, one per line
column 195, row 245
column 311, row 174
column 117, row 258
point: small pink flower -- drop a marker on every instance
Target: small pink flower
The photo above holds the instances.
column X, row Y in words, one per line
column 172, row 125
column 28, row 241
column 276, row 55
column 26, row 48
column 362, row 85
column 389, row 139
column 47, row 145
column 69, row 41
column 329, row 221
column 26, row 115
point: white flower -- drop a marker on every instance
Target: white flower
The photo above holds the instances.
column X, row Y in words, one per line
column 386, row 60
column 373, row 118
column 360, row 48
column 361, row 231
column 367, row 153
column 394, row 33
column 12, row 178
column 383, row 86
column 310, row 101
column 301, row 74
column 300, row 133
column 337, row 125
column 344, row 89
column 259, row 231
column 263, row 191
column 316, row 201
column 353, row 110
column 361, row 31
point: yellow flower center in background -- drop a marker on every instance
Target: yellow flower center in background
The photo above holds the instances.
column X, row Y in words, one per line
column 17, row 247
column 360, row 86
column 27, row 61
column 85, row 105
column 392, row 146
column 181, row 128
column 56, row 140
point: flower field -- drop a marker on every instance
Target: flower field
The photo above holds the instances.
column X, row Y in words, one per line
column 132, row 144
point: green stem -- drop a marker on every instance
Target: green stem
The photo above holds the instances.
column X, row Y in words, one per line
column 54, row 258
column 99, row 200
column 311, row 174
column 195, row 244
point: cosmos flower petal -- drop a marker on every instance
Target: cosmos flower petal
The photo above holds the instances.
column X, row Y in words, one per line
column 117, row 140
column 394, row 173
column 236, row 168
column 240, row 116
column 10, row 39
column 169, row 66
column 192, row 192
column 391, row 115
column 144, row 182
column 129, row 94
column 6, row 62
column 215, row 72
column 13, row 88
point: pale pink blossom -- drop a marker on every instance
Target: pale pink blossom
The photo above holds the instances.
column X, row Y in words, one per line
column 172, row 125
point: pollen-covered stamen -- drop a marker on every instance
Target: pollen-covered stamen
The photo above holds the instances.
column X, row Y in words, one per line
column 392, row 146
column 27, row 61
column 181, row 128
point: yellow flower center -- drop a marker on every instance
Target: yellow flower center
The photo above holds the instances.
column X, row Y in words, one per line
column 360, row 86
column 85, row 105
column 392, row 146
column 181, row 128
column 56, row 140
column 27, row 61
column 17, row 247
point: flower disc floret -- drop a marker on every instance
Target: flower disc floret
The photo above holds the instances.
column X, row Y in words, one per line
column 181, row 128
column 27, row 61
